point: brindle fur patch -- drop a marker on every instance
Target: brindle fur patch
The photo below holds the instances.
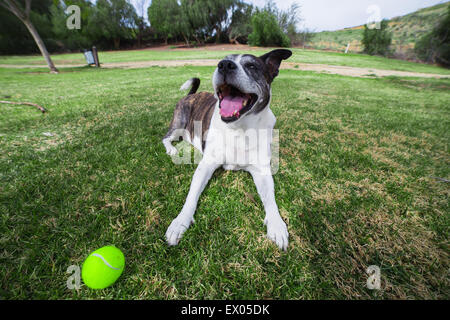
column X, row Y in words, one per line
column 194, row 107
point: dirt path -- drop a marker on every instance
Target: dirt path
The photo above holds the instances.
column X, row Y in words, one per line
column 340, row 70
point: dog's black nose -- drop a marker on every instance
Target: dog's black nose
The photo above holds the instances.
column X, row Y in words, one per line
column 226, row 66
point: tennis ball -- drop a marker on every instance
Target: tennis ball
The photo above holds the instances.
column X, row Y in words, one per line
column 103, row 267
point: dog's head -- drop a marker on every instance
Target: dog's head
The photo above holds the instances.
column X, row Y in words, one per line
column 242, row 82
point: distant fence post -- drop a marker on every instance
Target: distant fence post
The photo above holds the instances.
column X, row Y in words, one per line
column 348, row 47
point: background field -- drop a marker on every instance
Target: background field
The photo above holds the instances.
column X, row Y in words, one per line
column 300, row 56
column 405, row 31
column 357, row 186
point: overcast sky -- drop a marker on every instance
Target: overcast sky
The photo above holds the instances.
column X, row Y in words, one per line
column 320, row 15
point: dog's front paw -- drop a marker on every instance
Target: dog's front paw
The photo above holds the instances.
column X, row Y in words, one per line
column 277, row 232
column 176, row 229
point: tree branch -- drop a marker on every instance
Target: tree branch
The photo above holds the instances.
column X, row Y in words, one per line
column 14, row 7
column 27, row 8
column 4, row 5
column 440, row 179
column 42, row 109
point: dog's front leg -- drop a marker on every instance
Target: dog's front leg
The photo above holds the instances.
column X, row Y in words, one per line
column 276, row 228
column 182, row 222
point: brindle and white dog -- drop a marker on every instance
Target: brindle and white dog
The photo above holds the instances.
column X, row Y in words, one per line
column 241, row 102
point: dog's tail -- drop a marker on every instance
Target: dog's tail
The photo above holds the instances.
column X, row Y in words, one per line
column 193, row 83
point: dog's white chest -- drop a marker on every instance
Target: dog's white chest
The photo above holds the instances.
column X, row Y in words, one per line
column 241, row 146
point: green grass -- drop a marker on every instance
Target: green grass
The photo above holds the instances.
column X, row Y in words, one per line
column 363, row 61
column 356, row 157
column 300, row 56
column 337, row 40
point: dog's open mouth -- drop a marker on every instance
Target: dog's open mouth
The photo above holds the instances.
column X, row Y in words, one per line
column 234, row 103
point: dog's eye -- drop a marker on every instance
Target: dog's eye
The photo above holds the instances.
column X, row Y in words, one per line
column 250, row 66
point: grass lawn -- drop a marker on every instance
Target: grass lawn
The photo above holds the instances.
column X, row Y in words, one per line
column 355, row 185
column 300, row 56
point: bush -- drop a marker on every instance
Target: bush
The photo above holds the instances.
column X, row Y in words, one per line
column 434, row 47
column 266, row 31
column 302, row 38
column 377, row 41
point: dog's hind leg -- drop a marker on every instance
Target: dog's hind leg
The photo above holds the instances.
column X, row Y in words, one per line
column 177, row 128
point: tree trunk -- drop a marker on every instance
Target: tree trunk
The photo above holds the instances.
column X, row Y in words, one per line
column 40, row 44
column 218, row 34
column 234, row 41
column 185, row 39
column 199, row 42
column 116, row 43
column 139, row 37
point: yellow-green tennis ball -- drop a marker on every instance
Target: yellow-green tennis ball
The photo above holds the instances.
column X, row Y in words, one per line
column 103, row 267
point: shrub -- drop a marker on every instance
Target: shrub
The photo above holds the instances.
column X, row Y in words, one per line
column 434, row 47
column 377, row 41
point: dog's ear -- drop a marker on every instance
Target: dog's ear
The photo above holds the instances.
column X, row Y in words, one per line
column 272, row 61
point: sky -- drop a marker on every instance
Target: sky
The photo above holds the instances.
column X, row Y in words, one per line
column 321, row 15
column 330, row 15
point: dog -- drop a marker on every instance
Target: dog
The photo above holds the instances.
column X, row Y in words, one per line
column 212, row 121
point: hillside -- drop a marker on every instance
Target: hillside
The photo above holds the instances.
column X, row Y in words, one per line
column 405, row 30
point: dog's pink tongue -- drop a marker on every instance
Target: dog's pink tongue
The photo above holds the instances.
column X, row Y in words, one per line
column 231, row 106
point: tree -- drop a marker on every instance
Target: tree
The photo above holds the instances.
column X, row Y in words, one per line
column 273, row 26
column 376, row 41
column 164, row 17
column 113, row 20
column 289, row 20
column 75, row 38
column 204, row 19
column 434, row 47
column 200, row 19
column 240, row 26
column 195, row 19
column 23, row 13
column 217, row 14
column 14, row 35
column 141, row 25
column 266, row 30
